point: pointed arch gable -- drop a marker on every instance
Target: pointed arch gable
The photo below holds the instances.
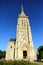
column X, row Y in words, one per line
column 25, row 46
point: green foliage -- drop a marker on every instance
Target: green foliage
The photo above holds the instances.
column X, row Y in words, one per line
column 2, row 54
column 16, row 63
column 40, row 51
column 40, row 48
column 41, row 55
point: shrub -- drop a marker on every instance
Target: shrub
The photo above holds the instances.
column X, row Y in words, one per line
column 16, row 63
column 2, row 54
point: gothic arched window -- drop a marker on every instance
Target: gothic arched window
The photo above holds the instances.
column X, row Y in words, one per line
column 23, row 22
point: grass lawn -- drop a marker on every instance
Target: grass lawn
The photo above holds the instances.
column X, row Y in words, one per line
column 17, row 63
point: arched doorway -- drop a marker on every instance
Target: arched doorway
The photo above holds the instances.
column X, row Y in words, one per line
column 24, row 54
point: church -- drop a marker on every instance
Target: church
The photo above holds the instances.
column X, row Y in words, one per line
column 21, row 48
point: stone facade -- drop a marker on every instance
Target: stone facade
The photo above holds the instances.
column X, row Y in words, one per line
column 22, row 48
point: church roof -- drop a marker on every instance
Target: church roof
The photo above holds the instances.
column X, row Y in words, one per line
column 12, row 39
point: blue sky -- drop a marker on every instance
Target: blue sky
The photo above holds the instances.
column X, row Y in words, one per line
column 9, row 11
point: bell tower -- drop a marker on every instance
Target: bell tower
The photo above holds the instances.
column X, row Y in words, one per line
column 23, row 29
column 24, row 37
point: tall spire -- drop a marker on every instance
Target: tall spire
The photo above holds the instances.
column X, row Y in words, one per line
column 22, row 12
column 22, row 8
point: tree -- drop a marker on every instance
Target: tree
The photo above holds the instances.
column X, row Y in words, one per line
column 40, row 51
column 2, row 54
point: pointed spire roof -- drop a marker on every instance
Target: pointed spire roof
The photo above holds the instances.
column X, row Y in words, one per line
column 22, row 14
column 22, row 10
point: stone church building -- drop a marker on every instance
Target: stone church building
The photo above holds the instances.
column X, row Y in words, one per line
column 22, row 47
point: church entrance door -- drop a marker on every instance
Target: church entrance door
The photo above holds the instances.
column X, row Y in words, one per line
column 24, row 54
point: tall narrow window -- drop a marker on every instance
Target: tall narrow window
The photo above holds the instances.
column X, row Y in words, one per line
column 14, row 53
column 23, row 22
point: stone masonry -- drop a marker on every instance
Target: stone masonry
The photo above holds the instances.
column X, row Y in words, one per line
column 22, row 48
